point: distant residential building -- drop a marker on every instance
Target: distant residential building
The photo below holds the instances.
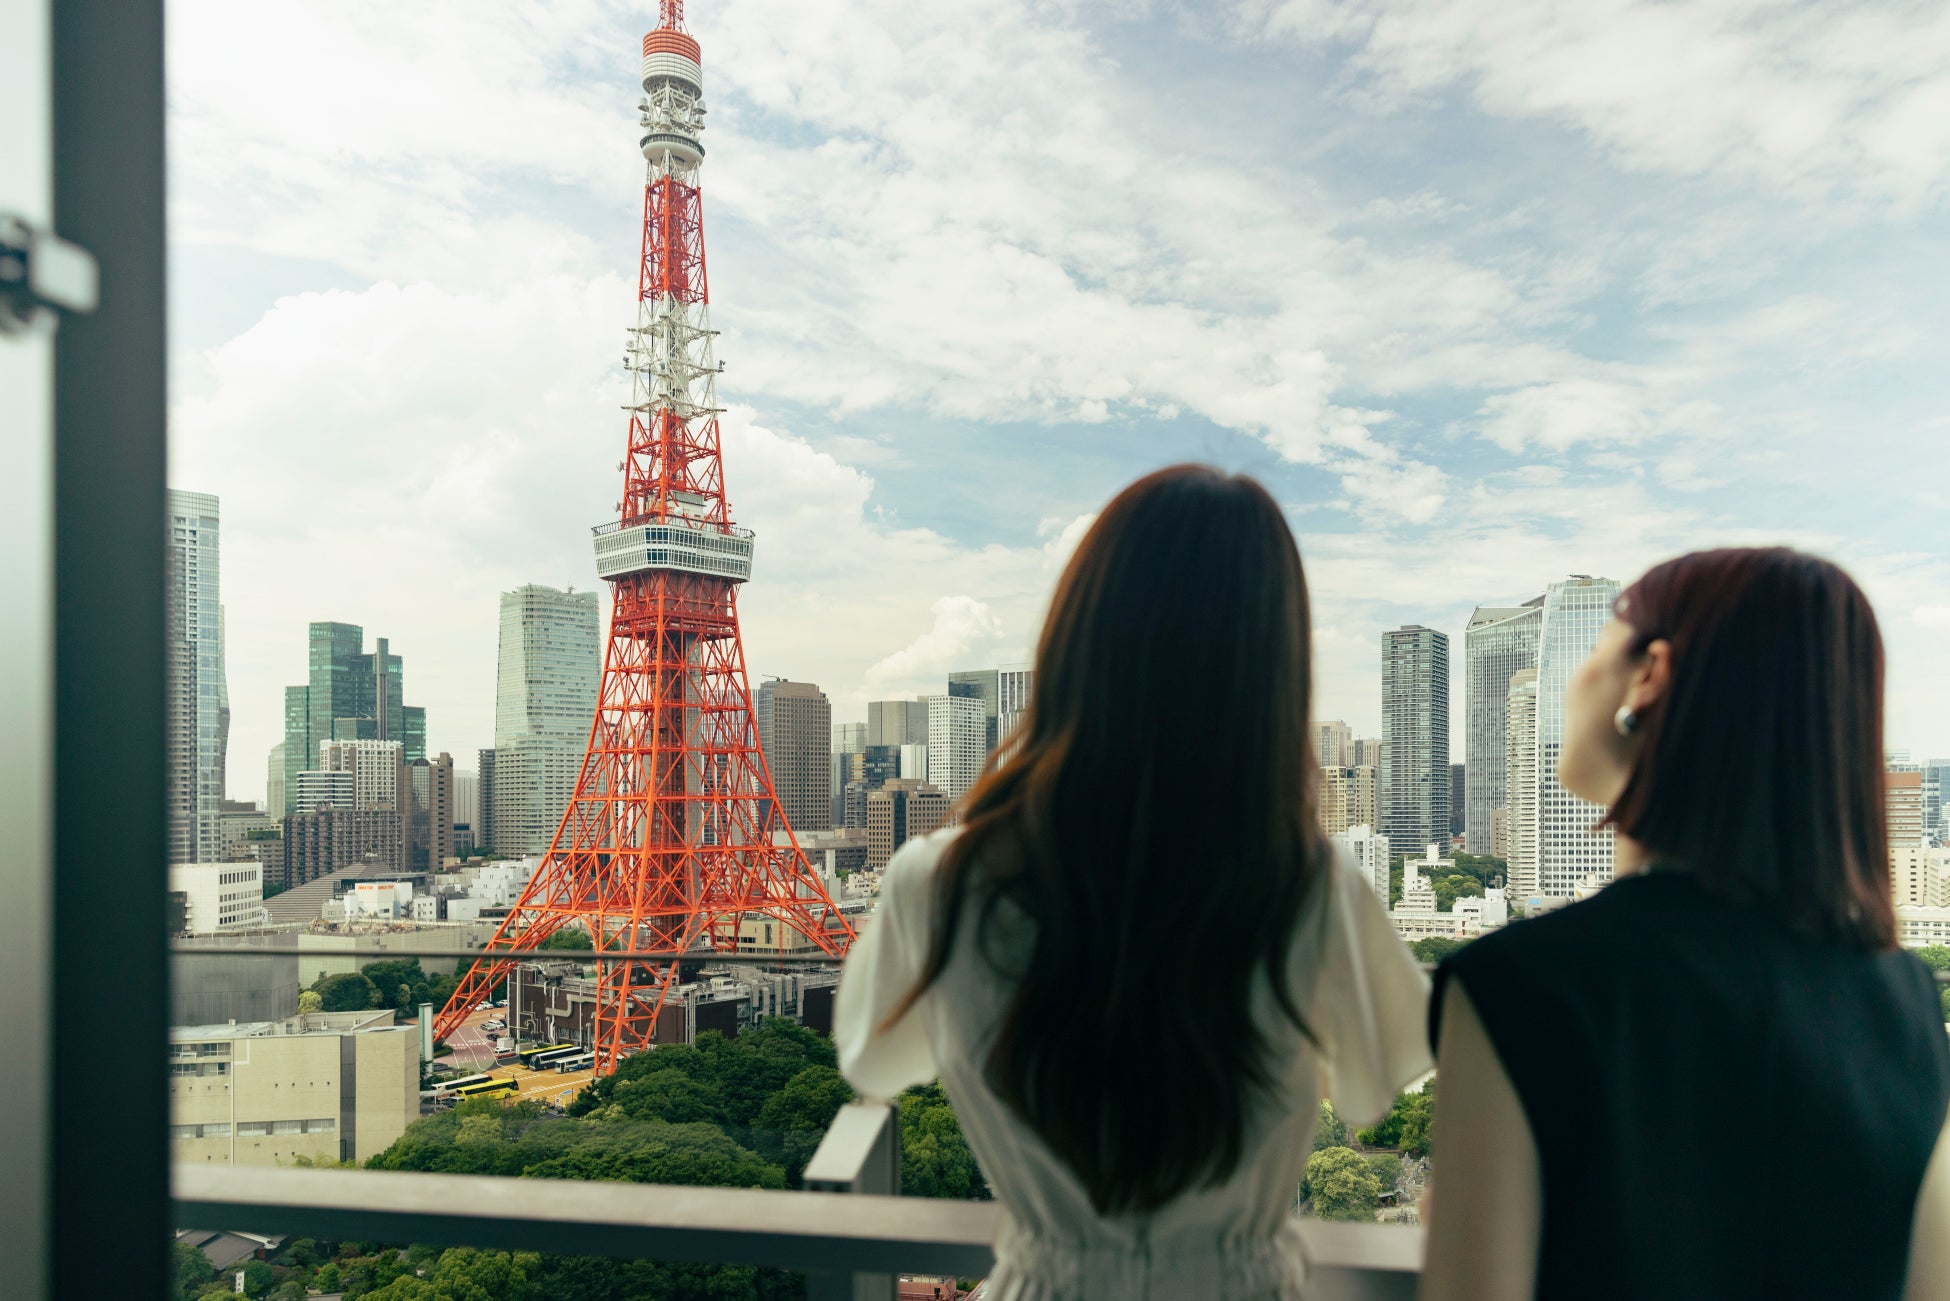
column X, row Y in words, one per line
column 546, row 679
column 1370, row 851
column 1568, row 850
column 984, row 685
column 1348, row 798
column 1519, row 848
column 899, row 811
column 1365, row 752
column 1416, row 916
column 1332, row 741
column 354, row 807
column 349, row 695
column 897, row 722
column 958, row 743
column 327, row 1086
column 241, row 824
column 195, row 678
column 430, row 813
column 795, row 730
column 1415, row 735
column 1456, row 785
column 218, row 896
column 274, row 782
column 1920, row 875
column 1498, row 642
column 1013, row 684
column 1903, row 797
column 1936, row 800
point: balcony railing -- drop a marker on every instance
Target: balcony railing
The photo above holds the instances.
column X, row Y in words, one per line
column 850, row 1233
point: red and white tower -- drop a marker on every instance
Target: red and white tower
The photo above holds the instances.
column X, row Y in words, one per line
column 674, row 841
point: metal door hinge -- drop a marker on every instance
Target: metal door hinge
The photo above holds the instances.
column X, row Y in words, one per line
column 40, row 274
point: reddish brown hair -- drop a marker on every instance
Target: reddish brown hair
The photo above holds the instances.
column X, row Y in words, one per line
column 1761, row 770
column 1154, row 814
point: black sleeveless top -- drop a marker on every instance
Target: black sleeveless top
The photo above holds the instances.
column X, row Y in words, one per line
column 1721, row 1108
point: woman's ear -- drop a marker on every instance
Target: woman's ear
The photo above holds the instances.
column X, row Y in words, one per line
column 1652, row 677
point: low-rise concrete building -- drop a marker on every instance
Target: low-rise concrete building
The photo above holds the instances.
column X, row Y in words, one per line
column 329, row 1086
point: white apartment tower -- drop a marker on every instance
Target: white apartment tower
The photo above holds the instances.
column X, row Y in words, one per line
column 195, row 680
column 1498, row 641
column 1370, row 851
column 958, row 743
column 1568, row 851
column 546, row 679
column 1520, row 778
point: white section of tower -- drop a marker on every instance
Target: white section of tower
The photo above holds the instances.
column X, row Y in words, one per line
column 670, row 350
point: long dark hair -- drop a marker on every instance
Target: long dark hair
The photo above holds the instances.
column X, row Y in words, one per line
column 1762, row 769
column 1155, row 815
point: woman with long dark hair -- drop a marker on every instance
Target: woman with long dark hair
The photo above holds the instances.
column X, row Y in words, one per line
column 1138, row 965
column 1718, row 1077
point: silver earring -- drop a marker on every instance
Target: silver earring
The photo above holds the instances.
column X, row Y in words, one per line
column 1626, row 720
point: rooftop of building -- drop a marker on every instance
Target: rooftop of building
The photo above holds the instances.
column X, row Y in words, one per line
column 305, row 1023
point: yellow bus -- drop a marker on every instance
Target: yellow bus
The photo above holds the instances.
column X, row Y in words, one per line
column 488, row 1088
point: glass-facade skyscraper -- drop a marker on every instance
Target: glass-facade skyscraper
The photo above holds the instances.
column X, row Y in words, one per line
column 1499, row 642
column 349, row 695
column 1415, row 738
column 195, row 680
column 547, row 674
column 1575, row 611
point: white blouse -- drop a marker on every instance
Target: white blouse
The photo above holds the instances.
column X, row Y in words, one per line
column 1354, row 982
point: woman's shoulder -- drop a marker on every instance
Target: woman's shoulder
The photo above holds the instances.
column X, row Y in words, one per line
column 906, row 880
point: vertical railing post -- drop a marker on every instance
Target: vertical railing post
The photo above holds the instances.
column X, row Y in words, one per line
column 861, row 1153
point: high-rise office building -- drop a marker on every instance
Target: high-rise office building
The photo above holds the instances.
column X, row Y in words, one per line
column 795, row 730
column 1347, row 798
column 898, row 812
column 1575, row 612
column 1415, row 737
column 984, row 685
column 1519, row 848
column 195, row 677
column 350, row 694
column 897, row 722
column 848, row 739
column 274, row 782
column 1499, row 641
column 546, row 677
column 1332, row 741
column 1456, row 783
column 1936, row 799
column 957, row 742
column 867, row 769
column 1012, row 683
column 484, row 814
column 430, row 813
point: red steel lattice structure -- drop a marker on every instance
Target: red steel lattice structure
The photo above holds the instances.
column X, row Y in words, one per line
column 674, row 841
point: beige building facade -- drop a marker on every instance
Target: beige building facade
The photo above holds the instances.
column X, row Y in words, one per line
column 330, row 1086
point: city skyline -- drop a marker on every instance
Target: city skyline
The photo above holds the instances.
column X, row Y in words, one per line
column 1446, row 373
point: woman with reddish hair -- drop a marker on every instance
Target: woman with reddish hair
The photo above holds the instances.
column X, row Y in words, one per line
column 1718, row 1077
column 1138, row 965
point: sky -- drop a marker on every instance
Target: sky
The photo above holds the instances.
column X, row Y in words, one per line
column 1487, row 292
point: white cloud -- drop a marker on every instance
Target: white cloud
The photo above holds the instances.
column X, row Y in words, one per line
column 1807, row 101
column 964, row 633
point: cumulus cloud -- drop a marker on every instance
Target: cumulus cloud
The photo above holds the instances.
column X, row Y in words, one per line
column 965, row 632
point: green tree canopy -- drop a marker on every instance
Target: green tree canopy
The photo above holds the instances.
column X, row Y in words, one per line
column 935, row 1158
column 794, row 1119
column 1342, row 1185
column 1935, row 956
column 1406, row 1126
column 569, row 937
column 1454, row 886
column 347, row 992
column 1435, row 948
column 1330, row 1130
column 190, row 1269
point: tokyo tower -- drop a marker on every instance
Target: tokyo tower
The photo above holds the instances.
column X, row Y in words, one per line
column 674, row 841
